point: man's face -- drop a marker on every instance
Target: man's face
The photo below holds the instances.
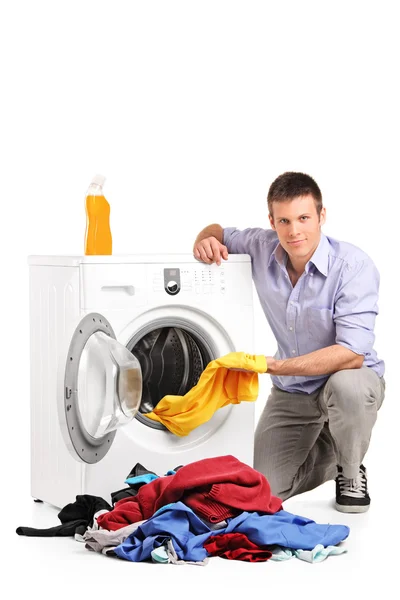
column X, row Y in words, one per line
column 298, row 227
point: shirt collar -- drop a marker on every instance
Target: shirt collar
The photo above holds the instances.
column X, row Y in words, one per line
column 279, row 255
column 320, row 258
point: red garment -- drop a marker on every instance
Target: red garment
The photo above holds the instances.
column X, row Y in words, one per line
column 236, row 546
column 215, row 488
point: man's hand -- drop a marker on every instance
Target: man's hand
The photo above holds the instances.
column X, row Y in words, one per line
column 210, row 250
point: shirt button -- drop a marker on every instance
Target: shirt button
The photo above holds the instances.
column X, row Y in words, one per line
column 311, row 274
column 291, row 328
column 293, row 351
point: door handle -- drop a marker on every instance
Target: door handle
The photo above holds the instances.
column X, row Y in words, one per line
column 129, row 289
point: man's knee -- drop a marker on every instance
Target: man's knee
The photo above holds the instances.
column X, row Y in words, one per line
column 344, row 390
column 343, row 381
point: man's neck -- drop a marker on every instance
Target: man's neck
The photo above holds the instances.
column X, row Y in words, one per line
column 296, row 267
column 294, row 274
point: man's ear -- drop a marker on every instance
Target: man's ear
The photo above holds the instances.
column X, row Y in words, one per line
column 271, row 221
column 322, row 216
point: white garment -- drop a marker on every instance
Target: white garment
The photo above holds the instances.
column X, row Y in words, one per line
column 94, row 527
column 167, row 554
column 102, row 540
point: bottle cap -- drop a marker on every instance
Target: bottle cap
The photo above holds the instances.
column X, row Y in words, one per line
column 99, row 180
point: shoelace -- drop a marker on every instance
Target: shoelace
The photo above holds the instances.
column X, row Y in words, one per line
column 356, row 488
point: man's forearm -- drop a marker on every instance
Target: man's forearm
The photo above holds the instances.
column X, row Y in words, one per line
column 321, row 362
column 211, row 231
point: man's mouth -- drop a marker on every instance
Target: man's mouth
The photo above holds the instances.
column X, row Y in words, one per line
column 296, row 242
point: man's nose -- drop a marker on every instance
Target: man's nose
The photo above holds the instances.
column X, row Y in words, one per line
column 293, row 230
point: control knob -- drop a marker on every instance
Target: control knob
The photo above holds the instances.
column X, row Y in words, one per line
column 172, row 287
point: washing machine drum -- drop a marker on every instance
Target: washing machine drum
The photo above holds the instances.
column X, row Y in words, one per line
column 171, row 361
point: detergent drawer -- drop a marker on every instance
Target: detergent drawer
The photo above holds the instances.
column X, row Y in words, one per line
column 112, row 286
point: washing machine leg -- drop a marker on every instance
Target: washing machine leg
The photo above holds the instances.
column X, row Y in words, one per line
column 37, row 500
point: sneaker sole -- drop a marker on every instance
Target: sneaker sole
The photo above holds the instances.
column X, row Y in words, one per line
column 351, row 509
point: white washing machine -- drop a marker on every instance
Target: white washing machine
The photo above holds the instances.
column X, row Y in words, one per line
column 171, row 315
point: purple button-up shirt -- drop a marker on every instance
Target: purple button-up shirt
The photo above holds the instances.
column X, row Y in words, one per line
column 333, row 302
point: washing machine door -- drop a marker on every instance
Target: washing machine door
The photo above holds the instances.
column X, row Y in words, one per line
column 102, row 387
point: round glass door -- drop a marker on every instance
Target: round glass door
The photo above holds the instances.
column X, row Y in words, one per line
column 103, row 387
column 109, row 384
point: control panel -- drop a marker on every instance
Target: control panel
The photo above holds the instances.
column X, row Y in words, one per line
column 194, row 279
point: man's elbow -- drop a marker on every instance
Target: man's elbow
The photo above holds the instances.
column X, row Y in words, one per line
column 357, row 361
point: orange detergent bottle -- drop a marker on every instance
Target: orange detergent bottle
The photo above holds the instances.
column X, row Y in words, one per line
column 98, row 238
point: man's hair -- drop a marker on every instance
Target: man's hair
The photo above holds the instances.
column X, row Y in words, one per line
column 291, row 185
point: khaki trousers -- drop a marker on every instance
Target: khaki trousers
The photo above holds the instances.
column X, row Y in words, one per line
column 301, row 438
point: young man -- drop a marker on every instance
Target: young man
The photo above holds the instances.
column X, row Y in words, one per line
column 319, row 296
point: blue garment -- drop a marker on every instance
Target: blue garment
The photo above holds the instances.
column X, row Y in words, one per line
column 146, row 478
column 176, row 521
column 333, row 302
column 160, row 554
column 285, row 529
column 317, row 554
column 188, row 533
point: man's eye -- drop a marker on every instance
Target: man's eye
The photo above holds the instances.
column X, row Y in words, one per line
column 304, row 218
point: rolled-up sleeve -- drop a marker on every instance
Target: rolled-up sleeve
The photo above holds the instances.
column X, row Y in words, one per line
column 240, row 241
column 356, row 307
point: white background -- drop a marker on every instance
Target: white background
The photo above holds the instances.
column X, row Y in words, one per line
column 191, row 109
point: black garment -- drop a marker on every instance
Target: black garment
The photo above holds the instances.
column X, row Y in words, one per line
column 133, row 488
column 125, row 493
column 139, row 469
column 75, row 518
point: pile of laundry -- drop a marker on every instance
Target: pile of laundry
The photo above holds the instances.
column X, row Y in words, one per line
column 212, row 507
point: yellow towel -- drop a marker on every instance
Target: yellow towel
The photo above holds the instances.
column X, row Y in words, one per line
column 217, row 387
